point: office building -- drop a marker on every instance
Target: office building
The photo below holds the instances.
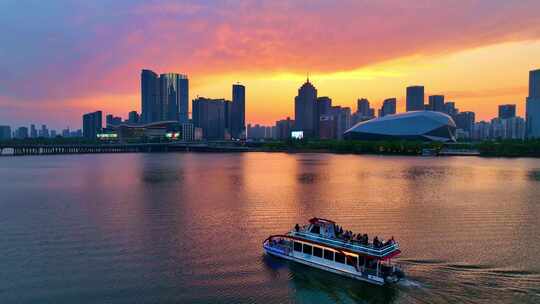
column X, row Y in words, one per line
column 238, row 112
column 342, row 118
column 465, row 121
column 284, row 128
column 450, row 108
column 507, row 111
column 92, row 124
column 210, row 115
column 21, row 133
column 324, row 105
column 436, row 103
column 327, row 127
column 173, row 101
column 112, row 120
column 533, row 105
column 133, row 117
column 306, row 111
column 150, row 109
column 5, row 132
column 44, row 131
column 33, row 131
column 415, row 98
column 388, row 107
column 66, row 133
column 188, row 131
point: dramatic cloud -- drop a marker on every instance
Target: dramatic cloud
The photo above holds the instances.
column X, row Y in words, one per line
column 64, row 51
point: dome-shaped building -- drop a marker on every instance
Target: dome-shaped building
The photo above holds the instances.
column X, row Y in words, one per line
column 415, row 125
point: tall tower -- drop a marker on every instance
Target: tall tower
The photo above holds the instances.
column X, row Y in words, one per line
column 149, row 96
column 305, row 110
column 173, row 97
column 415, row 98
column 238, row 111
column 532, row 127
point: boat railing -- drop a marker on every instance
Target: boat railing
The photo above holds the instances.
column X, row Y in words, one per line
column 369, row 249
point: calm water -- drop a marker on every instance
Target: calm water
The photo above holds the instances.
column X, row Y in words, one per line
column 187, row 228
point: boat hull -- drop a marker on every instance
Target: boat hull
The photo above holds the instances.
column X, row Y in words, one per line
column 357, row 276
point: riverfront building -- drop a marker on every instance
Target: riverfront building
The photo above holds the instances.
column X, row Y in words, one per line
column 415, row 98
column 416, row 125
column 92, row 124
column 533, row 105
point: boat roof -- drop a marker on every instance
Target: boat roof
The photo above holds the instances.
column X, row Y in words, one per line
column 384, row 252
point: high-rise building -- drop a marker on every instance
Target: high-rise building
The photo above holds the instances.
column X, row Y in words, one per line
column 465, row 121
column 53, row 133
column 533, row 106
column 342, row 118
column 415, row 98
column 5, row 132
column 150, row 109
column 44, row 132
column 33, row 131
column 436, row 103
column 507, row 111
column 66, row 133
column 362, row 107
column 111, row 120
column 284, row 128
column 22, row 133
column 450, row 108
column 306, row 111
column 173, row 97
column 388, row 107
column 238, row 111
column 92, row 124
column 188, row 131
column 327, row 127
column 324, row 105
column 210, row 116
column 133, row 117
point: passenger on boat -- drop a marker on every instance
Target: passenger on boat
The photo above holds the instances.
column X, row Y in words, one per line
column 376, row 242
column 297, row 227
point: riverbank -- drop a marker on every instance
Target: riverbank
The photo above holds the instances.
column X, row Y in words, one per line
column 489, row 149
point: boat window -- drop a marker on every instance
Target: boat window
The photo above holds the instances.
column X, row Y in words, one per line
column 353, row 261
column 307, row 249
column 329, row 255
column 361, row 260
column 340, row 257
column 297, row 246
column 317, row 251
column 316, row 229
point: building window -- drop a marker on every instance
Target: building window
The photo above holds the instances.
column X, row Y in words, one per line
column 317, row 251
column 297, row 246
column 351, row 260
column 340, row 257
column 307, row 249
column 329, row 255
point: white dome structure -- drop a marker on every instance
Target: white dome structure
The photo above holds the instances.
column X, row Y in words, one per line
column 415, row 125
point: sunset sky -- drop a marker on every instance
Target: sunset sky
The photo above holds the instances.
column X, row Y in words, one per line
column 59, row 59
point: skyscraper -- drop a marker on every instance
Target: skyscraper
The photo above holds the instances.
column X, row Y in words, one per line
column 33, row 131
column 388, row 107
column 150, row 110
column 305, row 110
column 92, row 124
column 533, row 106
column 324, row 105
column 415, row 98
column 173, row 97
column 507, row 111
column 436, row 103
column 210, row 115
column 133, row 117
column 465, row 121
column 5, row 132
column 362, row 107
column 238, row 111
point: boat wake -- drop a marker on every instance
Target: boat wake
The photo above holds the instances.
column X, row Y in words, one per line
column 409, row 283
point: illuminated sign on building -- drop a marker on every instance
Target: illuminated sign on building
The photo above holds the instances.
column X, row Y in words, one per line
column 297, row 134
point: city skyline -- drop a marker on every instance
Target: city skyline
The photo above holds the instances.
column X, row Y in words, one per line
column 264, row 47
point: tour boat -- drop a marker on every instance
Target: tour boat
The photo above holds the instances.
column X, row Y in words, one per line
column 323, row 244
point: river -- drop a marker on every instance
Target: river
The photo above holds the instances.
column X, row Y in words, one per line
column 188, row 227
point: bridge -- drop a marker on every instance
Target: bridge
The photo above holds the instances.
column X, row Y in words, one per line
column 21, row 148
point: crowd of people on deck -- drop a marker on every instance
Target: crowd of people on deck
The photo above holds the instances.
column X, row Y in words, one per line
column 359, row 238
column 362, row 239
